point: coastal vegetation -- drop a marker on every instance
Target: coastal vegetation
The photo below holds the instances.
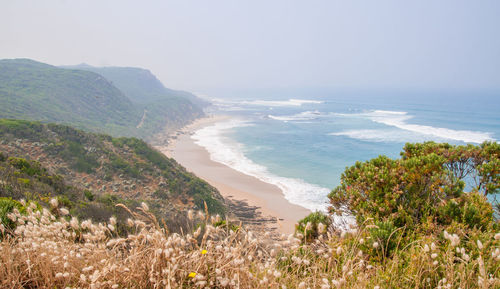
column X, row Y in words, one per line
column 51, row 249
column 425, row 188
column 422, row 222
column 90, row 173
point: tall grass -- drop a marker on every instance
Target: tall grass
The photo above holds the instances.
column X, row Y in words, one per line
column 50, row 249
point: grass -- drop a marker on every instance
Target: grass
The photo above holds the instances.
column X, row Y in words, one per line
column 52, row 250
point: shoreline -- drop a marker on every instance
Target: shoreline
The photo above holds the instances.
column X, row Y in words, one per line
column 251, row 200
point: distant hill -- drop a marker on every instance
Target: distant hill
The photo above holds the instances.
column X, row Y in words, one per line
column 139, row 84
column 147, row 92
column 91, row 173
column 38, row 91
column 125, row 102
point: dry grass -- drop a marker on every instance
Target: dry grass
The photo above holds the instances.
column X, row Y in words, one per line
column 46, row 251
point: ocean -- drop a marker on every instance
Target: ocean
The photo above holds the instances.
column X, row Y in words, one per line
column 303, row 141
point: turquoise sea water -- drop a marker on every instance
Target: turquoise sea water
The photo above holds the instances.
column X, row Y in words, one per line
column 303, row 142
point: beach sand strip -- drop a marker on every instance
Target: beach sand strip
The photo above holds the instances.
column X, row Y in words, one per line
column 257, row 204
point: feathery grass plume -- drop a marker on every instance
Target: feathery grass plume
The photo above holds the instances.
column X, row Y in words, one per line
column 44, row 252
column 54, row 202
column 479, row 245
column 64, row 211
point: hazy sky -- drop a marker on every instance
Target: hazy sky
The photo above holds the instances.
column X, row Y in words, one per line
column 196, row 45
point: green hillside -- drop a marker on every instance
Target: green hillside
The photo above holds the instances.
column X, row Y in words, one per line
column 124, row 102
column 91, row 173
column 163, row 106
column 140, row 85
column 37, row 91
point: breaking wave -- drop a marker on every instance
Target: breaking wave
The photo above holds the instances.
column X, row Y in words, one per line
column 398, row 119
column 230, row 153
column 303, row 116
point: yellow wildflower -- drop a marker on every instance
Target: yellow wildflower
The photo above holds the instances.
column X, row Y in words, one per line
column 192, row 275
column 203, row 252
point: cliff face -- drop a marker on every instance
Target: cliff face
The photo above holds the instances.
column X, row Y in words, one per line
column 97, row 171
column 163, row 107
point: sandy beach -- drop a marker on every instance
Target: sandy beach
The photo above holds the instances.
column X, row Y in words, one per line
column 265, row 198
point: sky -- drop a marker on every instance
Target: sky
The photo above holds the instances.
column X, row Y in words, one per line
column 231, row 44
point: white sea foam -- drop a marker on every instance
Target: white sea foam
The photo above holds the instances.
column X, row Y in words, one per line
column 399, row 120
column 382, row 135
column 259, row 102
column 290, row 102
column 228, row 152
column 305, row 115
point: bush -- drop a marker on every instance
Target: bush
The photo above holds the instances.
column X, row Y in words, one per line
column 142, row 149
column 471, row 209
column 427, row 183
column 65, row 201
column 89, row 195
column 7, row 205
column 118, row 163
column 230, row 226
column 310, row 226
column 214, row 206
column 22, row 129
column 384, row 239
column 30, row 168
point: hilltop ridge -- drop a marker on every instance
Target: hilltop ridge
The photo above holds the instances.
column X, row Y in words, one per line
column 139, row 84
column 38, row 91
column 162, row 107
column 123, row 102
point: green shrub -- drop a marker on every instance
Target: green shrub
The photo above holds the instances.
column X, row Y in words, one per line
column 25, row 182
column 65, row 201
column 55, row 181
column 30, row 168
column 427, row 183
column 214, row 206
column 89, row 195
column 7, row 205
column 312, row 224
column 383, row 239
column 471, row 209
column 142, row 149
column 109, row 200
column 22, row 129
column 118, row 163
column 223, row 223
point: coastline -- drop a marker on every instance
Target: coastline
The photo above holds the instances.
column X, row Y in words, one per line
column 248, row 196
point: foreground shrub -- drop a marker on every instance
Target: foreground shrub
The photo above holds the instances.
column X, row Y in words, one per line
column 425, row 186
column 7, row 206
column 471, row 209
column 313, row 225
column 385, row 239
